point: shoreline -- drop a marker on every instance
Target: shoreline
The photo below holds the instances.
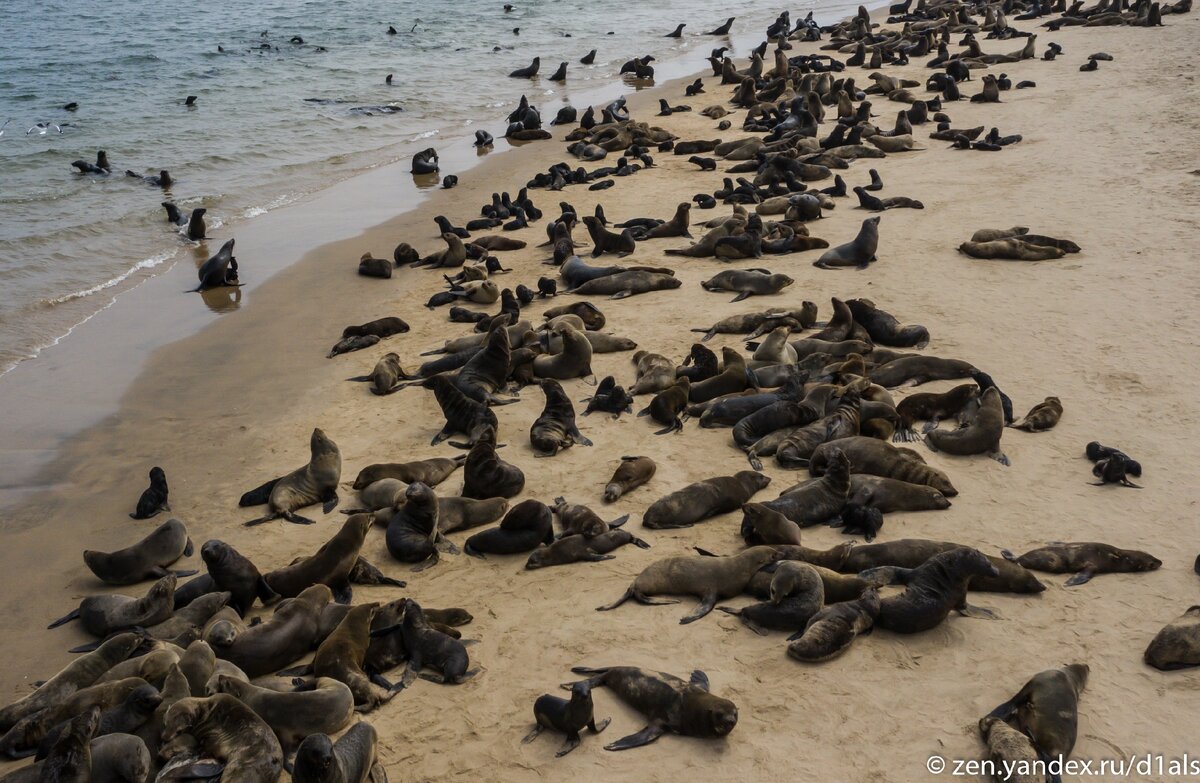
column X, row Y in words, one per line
column 232, row 404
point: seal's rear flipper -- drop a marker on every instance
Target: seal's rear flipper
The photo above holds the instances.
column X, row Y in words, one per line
column 74, row 615
column 330, row 502
column 643, row 737
column 296, row 519
column 705, row 552
column 616, row 523
column 978, row 612
column 89, row 647
column 706, row 605
column 190, row 548
column 1008, row 555
column 189, row 572
column 259, row 495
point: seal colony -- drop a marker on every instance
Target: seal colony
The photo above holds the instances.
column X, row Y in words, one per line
column 816, row 395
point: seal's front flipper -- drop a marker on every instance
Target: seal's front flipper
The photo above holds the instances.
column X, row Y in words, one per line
column 706, row 605
column 74, row 615
column 1081, row 578
column 596, row 728
column 531, row 736
column 343, row 594
column 643, row 737
column 330, row 502
column 570, row 745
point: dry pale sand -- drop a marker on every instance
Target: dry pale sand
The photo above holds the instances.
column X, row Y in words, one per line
column 1106, row 161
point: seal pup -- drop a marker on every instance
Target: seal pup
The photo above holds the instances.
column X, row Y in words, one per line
column 670, row 704
column 229, row 731
column 703, row 499
column 1041, row 417
column 555, row 428
column 933, row 589
column 568, row 717
column 230, row 571
column 429, row 647
column 341, row 656
column 154, row 498
column 147, row 559
column 413, row 531
column 832, row 630
column 220, row 271
column 981, row 436
column 1009, row 749
column 877, row 458
column 1046, row 709
column 385, row 376
column 354, row 758
column 485, row 475
column 812, row 502
column 316, row 482
column 708, row 578
column 1085, row 560
column 70, row 759
column 796, row 593
column 630, row 474
column 1177, row 645
column 747, row 283
column 859, row 252
column 526, row 525
column 610, row 397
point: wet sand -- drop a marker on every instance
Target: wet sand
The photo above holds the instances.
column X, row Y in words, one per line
column 1105, row 162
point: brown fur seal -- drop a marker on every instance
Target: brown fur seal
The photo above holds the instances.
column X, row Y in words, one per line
column 796, row 594
column 101, row 615
column 1041, row 417
column 119, row 758
column 1176, row 646
column 330, row 565
column 555, row 429
column 981, row 436
column 282, row 639
column 747, row 282
column 154, row 498
column 568, row 717
column 576, row 518
column 884, row 328
column 632, row 473
column 316, row 482
column 230, row 732
column 708, row 578
column 413, row 532
column 328, row 707
column 1009, row 749
column 81, row 673
column 341, row 657
column 703, row 499
column 913, row 552
column 915, row 370
column 669, row 406
column 581, row 548
column 655, row 373
column 932, row 408
column 354, row 758
column 385, row 377
column 147, row 559
column 764, row 525
column 23, row 738
column 526, row 525
column 818, row 501
column 832, row 630
column 1046, row 709
column 933, row 589
column 229, row 570
column 429, row 471
column 574, row 361
column 869, row 455
column 889, row 495
column 760, row 323
column 456, row 514
column 593, row 319
column 797, row 449
column 485, row 475
column 670, row 704
column 605, row 241
column 858, row 253
column 70, row 760
column 428, row 647
column 1010, row 250
column 628, row 283
column 732, row 379
column 1085, row 560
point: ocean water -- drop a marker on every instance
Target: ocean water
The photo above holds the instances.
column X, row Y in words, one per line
column 275, row 120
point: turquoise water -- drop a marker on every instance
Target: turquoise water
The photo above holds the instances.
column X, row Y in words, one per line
column 274, row 120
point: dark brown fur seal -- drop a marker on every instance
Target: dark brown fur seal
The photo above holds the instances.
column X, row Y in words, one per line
column 230, row 732
column 884, row 328
column 555, row 429
column 413, row 532
column 569, row 717
column 485, row 475
column 760, row 323
column 1041, row 417
column 282, row 639
column 341, row 656
column 732, row 379
column 316, row 482
column 817, row 501
column 933, row 408
column 913, row 552
column 605, row 241
column 708, row 578
column 526, row 525
column 857, row 253
column 632, row 473
column 889, row 495
column 330, row 565
column 670, row 704
column 429, row 471
column 147, row 559
column 385, row 376
column 703, row 499
column 933, row 589
column 1085, row 560
column 327, row 707
column 981, row 436
column 574, row 361
column 101, row 615
column 428, row 647
column 354, row 758
column 1176, row 646
column 669, row 406
column 796, row 593
column 869, row 455
column 915, row 370
column 1046, row 709
column 831, row 631
column 154, row 498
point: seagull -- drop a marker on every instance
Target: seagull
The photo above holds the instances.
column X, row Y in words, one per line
column 5, row 125
column 42, row 128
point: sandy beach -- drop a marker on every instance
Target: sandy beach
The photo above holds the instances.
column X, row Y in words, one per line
column 1107, row 160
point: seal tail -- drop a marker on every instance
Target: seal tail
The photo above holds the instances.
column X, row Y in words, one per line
column 74, row 615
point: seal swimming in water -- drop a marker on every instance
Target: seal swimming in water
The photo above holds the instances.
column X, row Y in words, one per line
column 708, row 578
column 147, row 559
column 354, row 758
column 1047, row 709
column 569, row 717
column 1085, row 560
column 703, row 499
column 219, row 271
column 316, row 482
column 154, row 498
column 670, row 704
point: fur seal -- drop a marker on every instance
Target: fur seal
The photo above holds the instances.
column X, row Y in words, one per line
column 463, row 414
column 747, row 282
column 857, row 253
column 605, row 241
column 632, row 473
column 428, row 647
column 1041, row 417
column 796, row 594
column 913, row 370
column 340, row 658
column 1085, row 560
column 981, row 436
column 708, row 578
column 154, row 498
column 703, row 499
column 429, row 471
column 813, row 502
column 283, row 638
column 485, row 475
column 873, row 456
column 933, row 408
column 328, row 707
column 1046, row 709
column 755, row 324
column 1009, row 749
column 670, row 704
column 71, row 757
column 121, row 718
column 574, row 361
column 1012, row 249
column 119, row 758
column 890, row 495
column 147, row 559
column 23, row 739
column 832, row 630
column 883, row 327
column 227, row 730
column 330, row 565
column 628, row 283
column 1177, row 645
column 354, row 758
column 568, row 717
column 228, row 570
column 526, row 525
column 912, row 552
column 580, row 548
column 101, row 615
column 316, row 482
column 555, row 428
column 385, row 376
column 412, row 532
column 220, row 271
column 933, row 589
column 380, row 327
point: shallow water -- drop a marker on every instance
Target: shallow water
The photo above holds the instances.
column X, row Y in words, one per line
column 274, row 120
